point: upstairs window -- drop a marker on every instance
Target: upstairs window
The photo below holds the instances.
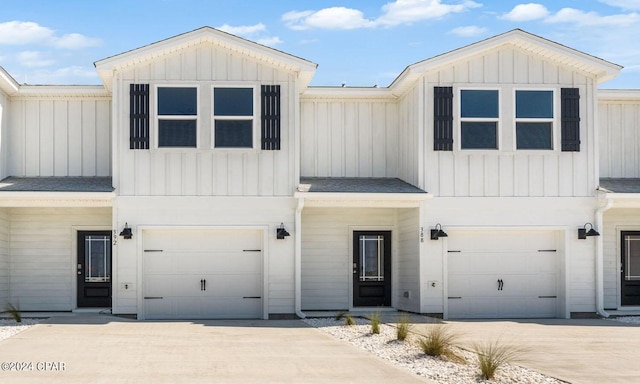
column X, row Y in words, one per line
column 233, row 117
column 177, row 116
column 534, row 119
column 479, row 115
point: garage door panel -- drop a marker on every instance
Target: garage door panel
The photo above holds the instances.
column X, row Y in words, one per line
column 226, row 285
column 525, row 262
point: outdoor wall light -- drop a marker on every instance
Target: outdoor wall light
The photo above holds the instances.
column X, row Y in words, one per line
column 126, row 232
column 281, row 232
column 583, row 233
column 438, row 232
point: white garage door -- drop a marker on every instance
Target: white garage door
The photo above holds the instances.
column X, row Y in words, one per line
column 510, row 274
column 202, row 274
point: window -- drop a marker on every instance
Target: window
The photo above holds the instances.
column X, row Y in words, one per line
column 233, row 117
column 177, row 116
column 479, row 113
column 534, row 119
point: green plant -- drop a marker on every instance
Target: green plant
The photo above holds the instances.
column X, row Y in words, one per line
column 403, row 328
column 14, row 312
column 340, row 315
column 439, row 341
column 493, row 355
column 349, row 320
column 375, row 323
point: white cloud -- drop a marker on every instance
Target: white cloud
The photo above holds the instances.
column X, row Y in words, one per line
column 34, row 59
column 526, row 12
column 27, row 32
column 327, row 18
column 469, row 31
column 243, row 30
column 65, row 75
column 633, row 5
column 394, row 13
column 269, row 41
column 578, row 17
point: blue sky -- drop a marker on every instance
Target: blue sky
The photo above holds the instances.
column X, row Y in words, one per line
column 359, row 42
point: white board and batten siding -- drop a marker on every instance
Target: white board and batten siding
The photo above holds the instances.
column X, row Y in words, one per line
column 42, row 258
column 4, row 257
column 204, row 171
column 60, row 135
column 508, row 172
column 348, row 137
column 327, row 254
column 4, row 134
column 619, row 133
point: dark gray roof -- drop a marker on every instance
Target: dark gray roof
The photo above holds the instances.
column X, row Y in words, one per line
column 620, row 185
column 359, row 185
column 56, row 184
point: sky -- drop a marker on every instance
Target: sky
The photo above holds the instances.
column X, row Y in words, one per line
column 355, row 42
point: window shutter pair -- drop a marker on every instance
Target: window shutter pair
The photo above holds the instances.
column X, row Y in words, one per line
column 443, row 119
column 139, row 116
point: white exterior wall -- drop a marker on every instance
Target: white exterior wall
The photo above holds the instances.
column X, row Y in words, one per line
column 199, row 212
column 5, row 106
column 327, row 254
column 204, row 171
column 410, row 136
column 4, row 257
column 619, row 137
column 509, row 172
column 60, row 136
column 43, row 254
column 576, row 269
column 614, row 221
column 349, row 137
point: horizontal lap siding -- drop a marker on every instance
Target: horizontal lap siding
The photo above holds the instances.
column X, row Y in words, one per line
column 509, row 172
column 4, row 134
column 60, row 137
column 326, row 258
column 42, row 254
column 349, row 138
column 205, row 171
column 619, row 138
column 4, row 257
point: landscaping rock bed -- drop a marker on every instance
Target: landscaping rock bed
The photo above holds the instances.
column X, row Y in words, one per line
column 9, row 327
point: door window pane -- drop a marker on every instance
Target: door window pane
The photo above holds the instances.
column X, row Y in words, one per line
column 632, row 258
column 97, row 262
column 371, row 258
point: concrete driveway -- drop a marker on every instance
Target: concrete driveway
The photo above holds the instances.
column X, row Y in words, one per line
column 579, row 351
column 93, row 348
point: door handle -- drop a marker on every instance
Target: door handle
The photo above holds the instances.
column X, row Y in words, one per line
column 500, row 284
column 355, row 268
column 205, row 284
column 201, row 284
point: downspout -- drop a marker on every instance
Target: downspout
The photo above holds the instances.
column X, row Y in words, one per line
column 600, row 259
column 297, row 269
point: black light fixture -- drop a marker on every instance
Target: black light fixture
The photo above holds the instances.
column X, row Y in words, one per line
column 126, row 232
column 583, row 233
column 281, row 232
column 438, row 232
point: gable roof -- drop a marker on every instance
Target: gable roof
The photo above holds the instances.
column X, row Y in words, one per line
column 304, row 68
column 603, row 70
column 7, row 83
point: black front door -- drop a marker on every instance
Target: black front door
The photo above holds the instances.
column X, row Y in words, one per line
column 94, row 269
column 371, row 268
column 630, row 268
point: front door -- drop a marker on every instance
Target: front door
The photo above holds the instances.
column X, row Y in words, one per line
column 630, row 268
column 371, row 268
column 94, row 269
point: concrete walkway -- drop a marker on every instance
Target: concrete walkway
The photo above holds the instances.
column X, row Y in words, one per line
column 92, row 348
column 579, row 351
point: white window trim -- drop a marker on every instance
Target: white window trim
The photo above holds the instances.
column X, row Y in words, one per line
column 497, row 120
column 157, row 117
column 555, row 123
column 255, row 118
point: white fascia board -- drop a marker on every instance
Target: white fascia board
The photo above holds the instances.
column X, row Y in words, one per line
column 57, row 199
column 7, row 83
column 619, row 95
column 314, row 93
column 81, row 91
column 382, row 200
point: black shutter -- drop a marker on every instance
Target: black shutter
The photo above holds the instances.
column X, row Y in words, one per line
column 270, row 117
column 139, row 116
column 570, row 119
column 443, row 118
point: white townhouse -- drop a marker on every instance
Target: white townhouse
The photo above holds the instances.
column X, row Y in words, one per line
column 205, row 178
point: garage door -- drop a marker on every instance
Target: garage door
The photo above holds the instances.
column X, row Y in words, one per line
column 511, row 274
column 202, row 274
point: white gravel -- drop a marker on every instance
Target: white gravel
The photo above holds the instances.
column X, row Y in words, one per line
column 408, row 355
column 9, row 327
column 627, row 319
